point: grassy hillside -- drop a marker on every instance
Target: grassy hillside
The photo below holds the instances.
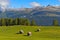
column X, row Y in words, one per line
column 46, row 33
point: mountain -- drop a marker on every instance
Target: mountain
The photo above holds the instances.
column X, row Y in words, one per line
column 42, row 15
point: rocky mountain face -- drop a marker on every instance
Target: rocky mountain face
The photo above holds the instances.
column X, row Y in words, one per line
column 42, row 15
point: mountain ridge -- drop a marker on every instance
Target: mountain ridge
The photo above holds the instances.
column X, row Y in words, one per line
column 39, row 14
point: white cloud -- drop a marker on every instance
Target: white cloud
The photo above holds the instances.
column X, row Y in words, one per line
column 35, row 4
column 4, row 4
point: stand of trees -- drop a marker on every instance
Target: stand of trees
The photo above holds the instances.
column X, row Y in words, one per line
column 55, row 22
column 16, row 21
column 21, row 21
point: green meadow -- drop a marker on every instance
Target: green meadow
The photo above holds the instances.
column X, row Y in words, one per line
column 46, row 33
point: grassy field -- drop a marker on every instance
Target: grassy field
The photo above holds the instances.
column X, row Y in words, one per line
column 46, row 33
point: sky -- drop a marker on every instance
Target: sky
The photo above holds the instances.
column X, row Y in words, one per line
column 32, row 3
column 27, row 3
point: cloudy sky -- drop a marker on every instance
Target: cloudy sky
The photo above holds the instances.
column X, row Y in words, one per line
column 27, row 3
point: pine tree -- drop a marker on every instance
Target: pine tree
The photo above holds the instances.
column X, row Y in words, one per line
column 27, row 22
column 55, row 22
column 3, row 21
column 33, row 23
